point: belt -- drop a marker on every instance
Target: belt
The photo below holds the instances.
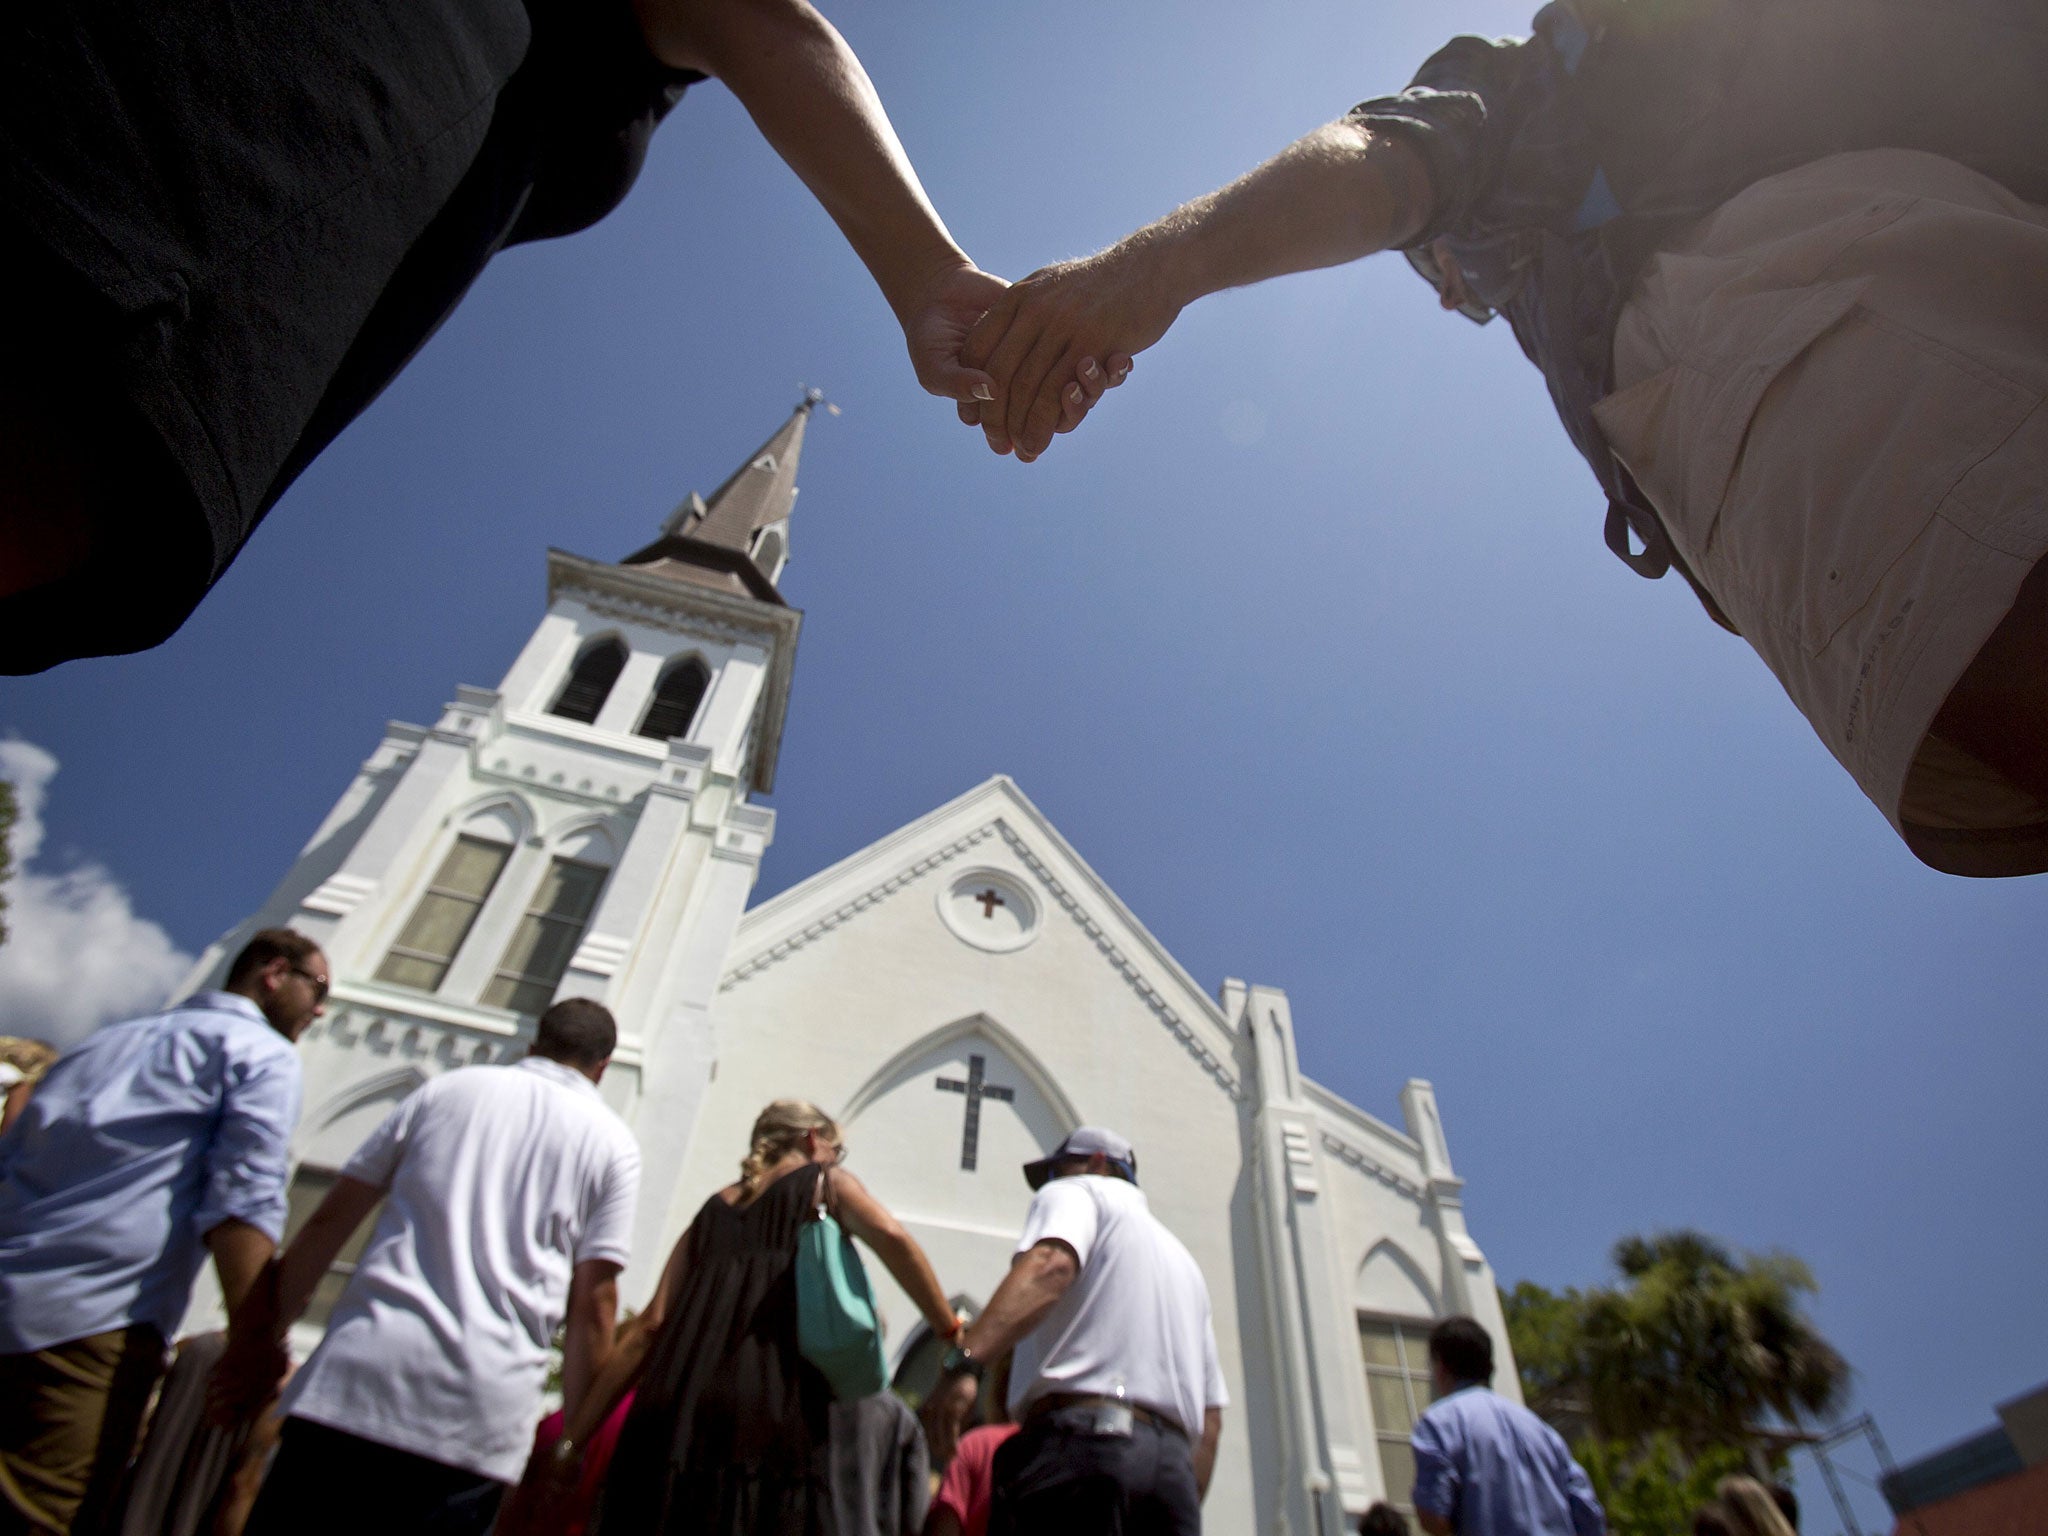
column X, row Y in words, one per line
column 1053, row 1402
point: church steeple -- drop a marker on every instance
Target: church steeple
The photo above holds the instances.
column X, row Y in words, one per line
column 738, row 541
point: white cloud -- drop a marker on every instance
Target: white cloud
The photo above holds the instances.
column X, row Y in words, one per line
column 76, row 956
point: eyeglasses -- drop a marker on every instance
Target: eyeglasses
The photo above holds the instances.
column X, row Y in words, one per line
column 319, row 983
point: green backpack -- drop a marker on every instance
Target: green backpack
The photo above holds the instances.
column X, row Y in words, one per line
column 837, row 1329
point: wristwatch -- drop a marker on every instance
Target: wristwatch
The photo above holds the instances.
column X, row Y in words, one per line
column 960, row 1361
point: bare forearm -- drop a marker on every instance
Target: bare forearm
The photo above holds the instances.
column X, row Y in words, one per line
column 239, row 1253
column 809, row 95
column 1032, row 1288
column 907, row 1263
column 1332, row 196
column 319, row 1242
column 587, row 1336
column 607, row 1384
column 1205, row 1452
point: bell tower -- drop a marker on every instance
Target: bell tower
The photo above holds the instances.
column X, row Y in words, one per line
column 584, row 829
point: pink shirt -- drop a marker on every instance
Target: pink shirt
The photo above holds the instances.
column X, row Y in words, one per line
column 970, row 1482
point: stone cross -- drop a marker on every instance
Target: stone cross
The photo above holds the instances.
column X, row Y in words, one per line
column 976, row 1088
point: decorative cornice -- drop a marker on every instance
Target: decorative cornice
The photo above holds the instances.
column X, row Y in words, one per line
column 1153, row 999
column 844, row 913
column 1366, row 1164
column 1164, row 1011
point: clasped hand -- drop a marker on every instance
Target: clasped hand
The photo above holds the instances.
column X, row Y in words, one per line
column 1024, row 362
column 1052, row 343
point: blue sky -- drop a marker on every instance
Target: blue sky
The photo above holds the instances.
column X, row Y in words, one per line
column 1307, row 640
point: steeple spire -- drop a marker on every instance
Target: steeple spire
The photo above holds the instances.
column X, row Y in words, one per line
column 739, row 539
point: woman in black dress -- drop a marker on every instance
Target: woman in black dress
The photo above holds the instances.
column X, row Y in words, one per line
column 727, row 1435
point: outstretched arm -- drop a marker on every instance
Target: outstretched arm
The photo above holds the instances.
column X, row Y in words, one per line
column 1335, row 195
column 869, row 1220
column 814, row 103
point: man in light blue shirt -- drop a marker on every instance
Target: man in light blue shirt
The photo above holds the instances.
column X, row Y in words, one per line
column 152, row 1144
column 1485, row 1466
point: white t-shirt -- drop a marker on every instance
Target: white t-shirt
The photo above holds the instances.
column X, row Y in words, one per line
column 502, row 1180
column 1135, row 1323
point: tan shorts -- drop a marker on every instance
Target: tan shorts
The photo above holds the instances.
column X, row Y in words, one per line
column 69, row 1416
column 1832, row 391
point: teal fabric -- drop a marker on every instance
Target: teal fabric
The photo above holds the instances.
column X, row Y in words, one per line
column 836, row 1326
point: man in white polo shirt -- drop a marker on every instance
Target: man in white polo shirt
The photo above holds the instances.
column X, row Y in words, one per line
column 509, row 1195
column 1115, row 1380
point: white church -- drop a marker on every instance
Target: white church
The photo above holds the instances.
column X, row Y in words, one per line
column 959, row 995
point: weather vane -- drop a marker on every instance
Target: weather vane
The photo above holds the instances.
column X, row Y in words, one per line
column 816, row 397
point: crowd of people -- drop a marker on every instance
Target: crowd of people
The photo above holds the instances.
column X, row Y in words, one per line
column 503, row 1199
column 1085, row 1396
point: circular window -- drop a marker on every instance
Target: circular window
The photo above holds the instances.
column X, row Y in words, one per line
column 990, row 910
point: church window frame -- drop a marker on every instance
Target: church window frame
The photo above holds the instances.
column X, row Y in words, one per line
column 547, row 935
column 1398, row 1388
column 591, row 679
column 310, row 1183
column 677, row 700
column 445, row 915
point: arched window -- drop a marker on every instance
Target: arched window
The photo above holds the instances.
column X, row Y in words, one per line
column 427, row 944
column 676, row 698
column 1399, row 1387
column 590, row 681
column 546, row 938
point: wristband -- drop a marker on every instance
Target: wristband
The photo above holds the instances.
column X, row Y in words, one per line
column 960, row 1361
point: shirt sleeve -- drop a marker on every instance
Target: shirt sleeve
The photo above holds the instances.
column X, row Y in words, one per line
column 1588, row 1518
column 608, row 1227
column 1464, row 113
column 1064, row 1209
column 251, row 1148
column 376, row 1161
column 1436, row 1472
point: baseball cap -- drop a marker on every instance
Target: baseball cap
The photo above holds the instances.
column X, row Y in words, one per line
column 1085, row 1142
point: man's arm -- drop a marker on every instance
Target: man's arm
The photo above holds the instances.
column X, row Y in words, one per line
column 1436, row 1525
column 587, row 1327
column 1205, row 1452
column 1335, row 195
column 1038, row 1278
column 239, row 1253
column 312, row 1253
column 274, row 1295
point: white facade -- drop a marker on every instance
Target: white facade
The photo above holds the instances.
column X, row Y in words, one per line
column 960, row 995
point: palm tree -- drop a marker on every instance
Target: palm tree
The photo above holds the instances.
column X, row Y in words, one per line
column 1713, row 1349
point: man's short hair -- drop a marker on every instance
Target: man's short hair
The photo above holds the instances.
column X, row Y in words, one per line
column 578, row 1032
column 1383, row 1520
column 268, row 945
column 1463, row 1348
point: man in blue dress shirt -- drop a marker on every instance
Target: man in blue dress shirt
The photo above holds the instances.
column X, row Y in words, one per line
column 149, row 1146
column 1485, row 1466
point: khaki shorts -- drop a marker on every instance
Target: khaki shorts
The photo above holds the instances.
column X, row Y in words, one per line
column 1832, row 391
column 69, row 1416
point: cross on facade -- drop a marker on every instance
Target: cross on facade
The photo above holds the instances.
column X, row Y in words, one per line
column 976, row 1088
column 990, row 899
